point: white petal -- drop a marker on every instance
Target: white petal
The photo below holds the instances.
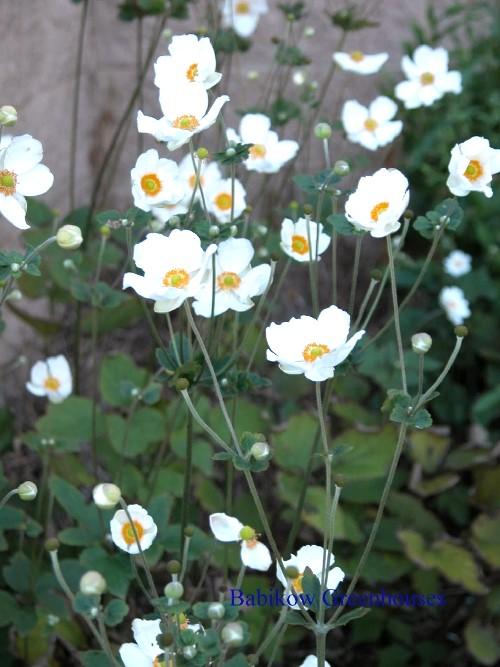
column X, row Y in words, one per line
column 13, row 207
column 257, row 557
column 132, row 656
column 35, row 182
column 145, row 634
column 225, row 528
column 23, row 154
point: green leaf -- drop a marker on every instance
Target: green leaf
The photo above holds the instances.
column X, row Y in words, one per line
column 341, row 225
column 351, row 616
column 85, row 604
column 365, row 455
column 482, row 642
column 69, row 421
column 428, row 449
column 486, row 537
column 293, row 446
column 133, row 436
column 119, row 375
column 114, row 568
column 74, row 504
column 17, row 573
column 94, row 659
column 115, row 611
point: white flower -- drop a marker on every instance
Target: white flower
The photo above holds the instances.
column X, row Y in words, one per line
column 184, row 114
column 145, row 651
column 360, row 62
column 21, row 175
column 155, row 182
column 174, row 267
column 243, row 16
column 428, row 78
column 190, row 60
column 472, row 166
column 378, row 202
column 210, row 174
column 254, row 554
column 122, row 532
column 311, row 557
column 372, row 126
column 51, row 378
column 106, row 496
column 455, row 305
column 236, row 282
column 268, row 154
column 300, row 241
column 312, row 661
column 311, row 346
column 164, row 212
column 457, row 263
column 219, row 198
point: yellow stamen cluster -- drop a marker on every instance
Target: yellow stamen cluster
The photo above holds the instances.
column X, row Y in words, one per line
column 297, row 583
column 257, row 151
column 300, row 244
column 150, row 184
column 51, row 383
column 242, row 8
column 186, row 122
column 192, row 72
column 8, row 182
column 357, row 56
column 128, row 532
column 224, row 201
column 228, row 280
column 378, row 209
column 474, row 170
column 176, row 278
column 427, row 79
column 371, row 124
column 314, row 351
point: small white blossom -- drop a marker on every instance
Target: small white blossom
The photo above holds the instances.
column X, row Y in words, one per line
column 227, row 528
column 223, row 198
column 146, row 650
column 359, row 62
column 455, row 305
column 472, row 166
column 156, row 184
column 243, row 17
column 51, row 378
column 122, row 532
column 312, row 661
column 303, row 240
column 373, row 126
column 457, row 263
column 191, row 60
column 209, row 175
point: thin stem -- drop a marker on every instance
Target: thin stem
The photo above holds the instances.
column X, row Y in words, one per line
column 187, row 476
column 397, row 324
column 364, row 303
column 7, row 497
column 199, row 419
column 355, row 273
column 442, row 375
column 321, row 417
column 147, row 571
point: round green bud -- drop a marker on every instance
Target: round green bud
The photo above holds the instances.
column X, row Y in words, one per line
column 260, row 451
column 323, row 131
column 216, row 611
column 275, row 257
column 308, row 209
column 69, row 237
column 174, row 589
column 341, row 168
column 408, row 214
column 233, row 230
column 202, row 153
column 294, row 205
column 14, row 267
column 263, row 253
column 230, row 152
column 174, row 567
column 165, row 640
column 52, row 544
column 213, row 231
column 461, row 331
column 92, row 583
column 339, row 480
column 292, row 572
column 182, row 384
column 189, row 531
column 105, row 231
column 376, row 274
column 157, row 225
column 232, row 634
column 421, row 343
column 8, row 116
column 174, row 221
column 106, row 496
column 27, row 491
column 247, row 533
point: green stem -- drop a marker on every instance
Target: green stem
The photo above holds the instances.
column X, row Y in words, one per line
column 442, row 375
column 397, row 324
column 7, row 497
column 355, row 273
column 364, row 303
column 187, row 476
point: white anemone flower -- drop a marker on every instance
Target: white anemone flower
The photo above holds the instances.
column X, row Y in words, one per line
column 174, row 268
column 163, row 212
column 184, row 114
column 21, row 175
column 267, row 154
column 146, row 651
column 51, row 378
column 359, row 62
column 428, row 78
column 303, row 240
column 457, row 263
column 209, row 175
column 378, row 202
column 227, row 528
column 312, row 661
column 243, row 17
column 472, row 166
column 236, row 282
column 155, row 182
column 122, row 530
column 455, row 305
column 310, row 346
column 191, row 60
column 223, row 199
column 310, row 556
column 373, row 126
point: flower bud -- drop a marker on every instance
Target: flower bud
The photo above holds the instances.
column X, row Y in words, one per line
column 92, row 583
column 292, row 572
column 157, row 225
column 230, row 152
column 263, row 253
column 376, row 274
column 299, row 78
column 174, row 567
column 105, row 231
column 202, row 153
column 341, row 168
column 252, row 75
column 174, row 221
column 322, row 131
column 8, row 116
column 69, row 237
column 106, row 496
column 232, row 634
column 260, row 451
column 14, row 267
column 27, row 491
column 421, row 343
column 461, row 331
column 15, row 295
column 174, row 589
column 309, row 31
column 233, row 230
column 216, row 611
column 189, row 652
column 294, row 205
column 182, row 384
column 189, row 531
column 247, row 533
column 165, row 640
column 69, row 264
column 52, row 544
column 308, row 209
column 262, row 230
column 213, row 231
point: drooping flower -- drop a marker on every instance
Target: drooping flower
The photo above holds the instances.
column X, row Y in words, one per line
column 267, row 154
column 312, row 661
column 360, row 62
column 310, row 556
column 155, row 182
column 472, row 166
column 184, row 114
column 455, row 305
column 243, row 17
column 51, row 378
column 106, row 496
column 209, row 175
column 21, row 175
column 428, row 78
column 254, row 554
column 191, row 60
column 174, row 267
column 146, row 651
column 457, row 263
column 303, row 240
column 122, row 529
column 373, row 126
column 310, row 346
column 235, row 282
column 378, row 202
column 222, row 198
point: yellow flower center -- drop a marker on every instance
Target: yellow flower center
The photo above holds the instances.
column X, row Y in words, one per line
column 297, row 583
column 186, row 122
column 427, row 79
column 474, row 170
column 300, row 244
column 257, row 151
column 357, row 56
column 228, row 280
column 128, row 532
column 223, row 201
column 192, row 181
column 378, row 209
column 176, row 278
column 371, row 124
column 8, row 181
column 242, row 8
column 51, row 383
column 314, row 351
column 150, row 184
column 192, row 72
